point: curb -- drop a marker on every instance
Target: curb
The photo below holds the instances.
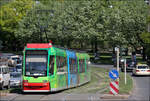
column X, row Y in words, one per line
column 134, row 86
column 110, row 96
column 4, row 94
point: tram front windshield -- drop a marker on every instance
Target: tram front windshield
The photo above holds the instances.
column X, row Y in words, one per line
column 36, row 63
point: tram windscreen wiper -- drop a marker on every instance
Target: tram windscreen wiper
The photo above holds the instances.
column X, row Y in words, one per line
column 36, row 73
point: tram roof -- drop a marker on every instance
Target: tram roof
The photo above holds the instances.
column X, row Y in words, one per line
column 60, row 51
column 39, row 45
column 82, row 55
column 71, row 54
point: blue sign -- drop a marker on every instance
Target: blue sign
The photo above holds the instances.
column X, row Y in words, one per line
column 113, row 74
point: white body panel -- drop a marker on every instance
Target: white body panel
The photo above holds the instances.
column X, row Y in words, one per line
column 4, row 75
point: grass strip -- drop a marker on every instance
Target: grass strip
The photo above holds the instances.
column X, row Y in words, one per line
column 100, row 80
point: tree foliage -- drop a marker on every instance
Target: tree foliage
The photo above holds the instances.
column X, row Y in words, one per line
column 77, row 23
column 11, row 13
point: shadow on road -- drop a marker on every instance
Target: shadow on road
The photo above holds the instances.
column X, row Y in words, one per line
column 19, row 91
column 141, row 76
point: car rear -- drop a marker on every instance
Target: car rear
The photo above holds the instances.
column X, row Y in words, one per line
column 142, row 70
column 15, row 79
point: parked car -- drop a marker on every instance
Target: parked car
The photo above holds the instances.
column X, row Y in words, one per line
column 15, row 79
column 12, row 69
column 141, row 69
column 148, row 60
column 16, row 58
column 121, row 62
column 4, row 76
column 129, row 65
column 19, row 67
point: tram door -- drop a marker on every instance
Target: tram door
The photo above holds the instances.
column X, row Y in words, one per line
column 73, row 72
column 72, row 69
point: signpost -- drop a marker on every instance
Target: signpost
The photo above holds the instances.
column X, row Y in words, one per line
column 117, row 50
column 114, row 85
column 125, row 78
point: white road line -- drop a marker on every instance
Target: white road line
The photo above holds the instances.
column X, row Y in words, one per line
column 114, row 75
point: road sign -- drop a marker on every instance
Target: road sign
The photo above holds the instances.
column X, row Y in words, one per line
column 114, row 87
column 113, row 74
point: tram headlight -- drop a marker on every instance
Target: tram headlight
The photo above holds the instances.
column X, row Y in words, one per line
column 44, row 81
column 25, row 81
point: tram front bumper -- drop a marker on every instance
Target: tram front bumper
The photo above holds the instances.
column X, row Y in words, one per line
column 36, row 87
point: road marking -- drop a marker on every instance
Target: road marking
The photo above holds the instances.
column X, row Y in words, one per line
column 114, row 75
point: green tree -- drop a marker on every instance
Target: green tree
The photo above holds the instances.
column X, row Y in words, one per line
column 11, row 13
column 79, row 23
column 0, row 44
column 126, row 21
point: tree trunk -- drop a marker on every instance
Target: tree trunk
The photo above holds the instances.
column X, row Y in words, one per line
column 82, row 47
column 62, row 43
column 46, row 37
column 144, row 55
column 68, row 43
column 92, row 44
column 95, row 45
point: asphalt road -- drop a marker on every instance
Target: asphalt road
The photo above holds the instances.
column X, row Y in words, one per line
column 141, row 92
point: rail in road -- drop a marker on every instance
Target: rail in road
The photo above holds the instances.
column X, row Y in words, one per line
column 141, row 92
column 102, row 66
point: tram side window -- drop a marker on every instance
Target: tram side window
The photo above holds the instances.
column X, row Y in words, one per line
column 51, row 65
column 70, row 65
column 87, row 66
column 73, row 67
column 61, row 64
column 81, row 65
